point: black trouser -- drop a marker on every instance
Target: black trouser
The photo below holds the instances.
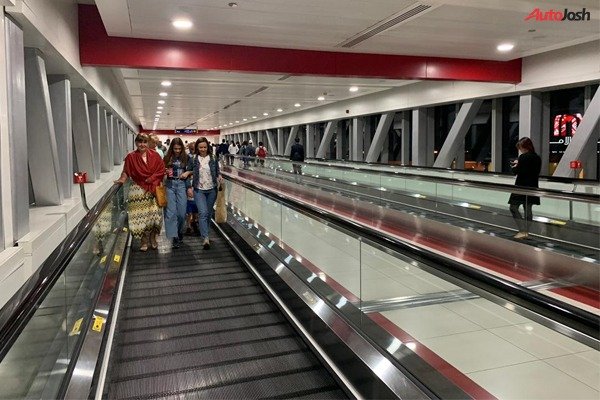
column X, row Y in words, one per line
column 519, row 220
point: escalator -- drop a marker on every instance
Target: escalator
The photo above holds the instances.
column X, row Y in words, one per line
column 196, row 322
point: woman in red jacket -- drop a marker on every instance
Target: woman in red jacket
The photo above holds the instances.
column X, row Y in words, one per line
column 146, row 169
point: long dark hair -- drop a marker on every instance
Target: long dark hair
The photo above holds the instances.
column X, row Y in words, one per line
column 208, row 149
column 526, row 144
column 183, row 157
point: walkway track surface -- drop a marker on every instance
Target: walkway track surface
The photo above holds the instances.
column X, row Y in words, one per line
column 195, row 323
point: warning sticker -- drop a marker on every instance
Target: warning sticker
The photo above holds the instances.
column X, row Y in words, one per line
column 76, row 327
column 98, row 323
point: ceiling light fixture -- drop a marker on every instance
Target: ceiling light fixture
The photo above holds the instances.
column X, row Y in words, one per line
column 237, row 122
column 505, row 47
column 163, row 94
column 265, row 114
column 159, row 107
column 353, row 88
column 166, row 83
column 254, row 117
column 245, row 119
column 182, row 24
column 297, row 105
column 159, row 112
column 279, row 110
column 321, row 98
column 161, row 102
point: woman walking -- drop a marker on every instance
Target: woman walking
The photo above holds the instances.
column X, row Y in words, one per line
column 176, row 161
column 527, row 168
column 207, row 177
column 146, row 170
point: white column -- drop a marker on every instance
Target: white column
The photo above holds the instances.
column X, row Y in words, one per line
column 381, row 135
column 60, row 98
column 82, row 137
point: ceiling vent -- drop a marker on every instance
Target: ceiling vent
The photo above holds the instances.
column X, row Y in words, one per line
column 260, row 89
column 231, row 104
column 284, row 77
column 403, row 16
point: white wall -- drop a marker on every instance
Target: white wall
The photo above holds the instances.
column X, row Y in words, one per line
column 573, row 65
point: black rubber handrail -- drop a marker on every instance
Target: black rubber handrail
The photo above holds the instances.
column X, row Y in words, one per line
column 567, row 314
column 15, row 314
column 551, row 193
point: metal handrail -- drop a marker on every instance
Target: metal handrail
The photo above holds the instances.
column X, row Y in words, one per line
column 22, row 305
column 551, row 193
column 578, row 319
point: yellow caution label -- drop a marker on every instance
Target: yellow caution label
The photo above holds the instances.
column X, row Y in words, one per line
column 125, row 229
column 98, row 323
column 103, row 260
column 117, row 258
column 76, row 327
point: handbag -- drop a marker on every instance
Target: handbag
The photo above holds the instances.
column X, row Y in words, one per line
column 161, row 195
column 221, row 206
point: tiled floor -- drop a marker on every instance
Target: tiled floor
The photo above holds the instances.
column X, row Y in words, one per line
column 507, row 354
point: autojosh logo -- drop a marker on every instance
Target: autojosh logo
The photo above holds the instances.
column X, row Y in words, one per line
column 558, row 16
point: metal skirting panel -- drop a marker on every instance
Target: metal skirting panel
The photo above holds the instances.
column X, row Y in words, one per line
column 196, row 323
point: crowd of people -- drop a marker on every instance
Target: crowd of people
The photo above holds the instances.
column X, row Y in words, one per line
column 190, row 173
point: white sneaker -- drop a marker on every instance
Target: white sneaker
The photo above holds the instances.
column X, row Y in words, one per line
column 521, row 235
column 206, row 244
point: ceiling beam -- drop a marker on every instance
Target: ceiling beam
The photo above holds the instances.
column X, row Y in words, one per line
column 97, row 48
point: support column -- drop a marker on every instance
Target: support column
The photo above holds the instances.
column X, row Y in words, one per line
column 310, row 140
column 272, row 149
column 94, row 114
column 339, row 140
column 82, row 137
column 60, row 99
column 590, row 158
column 280, row 142
column 327, row 136
column 381, row 135
column 496, row 164
column 105, row 158
column 44, row 168
column 358, row 126
column 14, row 213
column 530, row 118
column 290, row 141
column 456, row 136
column 110, row 134
column 584, row 140
column 405, row 126
column 419, row 137
column 115, row 141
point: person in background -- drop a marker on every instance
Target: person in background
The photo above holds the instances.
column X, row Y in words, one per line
column 250, row 152
column 232, row 150
column 205, row 169
column 261, row 153
column 527, row 168
column 162, row 147
column 243, row 152
column 190, row 148
column 153, row 145
column 146, row 169
column 176, row 161
column 297, row 156
column 223, row 149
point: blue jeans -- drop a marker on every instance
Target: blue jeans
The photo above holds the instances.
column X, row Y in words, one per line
column 176, row 207
column 205, row 200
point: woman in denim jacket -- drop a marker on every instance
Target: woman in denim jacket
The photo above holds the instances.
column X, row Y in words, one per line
column 176, row 161
column 207, row 177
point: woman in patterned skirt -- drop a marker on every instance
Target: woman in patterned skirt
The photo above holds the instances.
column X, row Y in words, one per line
column 146, row 169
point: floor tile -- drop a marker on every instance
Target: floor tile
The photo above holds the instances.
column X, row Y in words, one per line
column 430, row 321
column 426, row 283
column 538, row 340
column 383, row 288
column 532, row 381
column 485, row 313
column 476, row 351
column 585, row 367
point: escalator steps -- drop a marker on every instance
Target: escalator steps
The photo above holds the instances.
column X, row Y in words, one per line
column 195, row 324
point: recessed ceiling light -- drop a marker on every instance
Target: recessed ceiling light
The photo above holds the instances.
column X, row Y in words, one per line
column 182, row 24
column 353, row 88
column 321, row 98
column 159, row 107
column 245, row 119
column 254, row 117
column 159, row 112
column 161, row 102
column 166, row 83
column 237, row 122
column 297, row 105
column 279, row 110
column 265, row 114
column 231, row 123
column 505, row 47
column 163, row 94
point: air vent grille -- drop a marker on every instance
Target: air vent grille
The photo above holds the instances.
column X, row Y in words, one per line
column 384, row 25
column 260, row 89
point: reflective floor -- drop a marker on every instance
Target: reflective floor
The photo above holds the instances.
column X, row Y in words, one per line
column 484, row 347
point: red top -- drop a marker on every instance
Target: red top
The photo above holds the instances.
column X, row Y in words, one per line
column 147, row 175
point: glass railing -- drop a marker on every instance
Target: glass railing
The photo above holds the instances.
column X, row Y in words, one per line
column 42, row 355
column 474, row 339
column 564, row 217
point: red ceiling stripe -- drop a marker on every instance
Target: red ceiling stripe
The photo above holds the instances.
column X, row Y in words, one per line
column 98, row 49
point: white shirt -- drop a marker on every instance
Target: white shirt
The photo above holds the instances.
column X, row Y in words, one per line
column 205, row 181
column 233, row 149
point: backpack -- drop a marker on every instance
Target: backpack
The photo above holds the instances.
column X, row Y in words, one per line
column 262, row 152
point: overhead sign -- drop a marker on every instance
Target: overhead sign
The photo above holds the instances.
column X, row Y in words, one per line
column 186, row 131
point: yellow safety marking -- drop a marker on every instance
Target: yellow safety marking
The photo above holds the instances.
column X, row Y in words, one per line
column 76, row 327
column 117, row 258
column 125, row 229
column 98, row 323
column 103, row 259
column 557, row 222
